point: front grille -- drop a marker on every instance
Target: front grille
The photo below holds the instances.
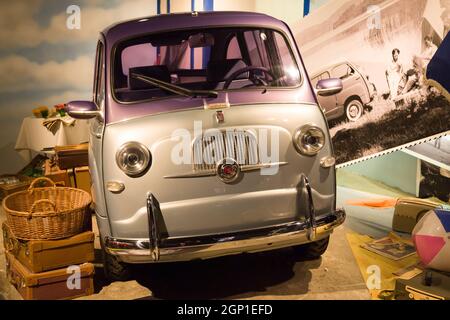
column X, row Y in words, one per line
column 210, row 148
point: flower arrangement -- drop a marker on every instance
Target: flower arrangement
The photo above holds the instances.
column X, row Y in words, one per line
column 41, row 112
column 60, row 108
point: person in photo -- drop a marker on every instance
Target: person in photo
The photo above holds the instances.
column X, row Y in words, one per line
column 394, row 73
column 430, row 50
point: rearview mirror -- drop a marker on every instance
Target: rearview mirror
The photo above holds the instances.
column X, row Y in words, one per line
column 328, row 87
column 83, row 110
column 201, row 40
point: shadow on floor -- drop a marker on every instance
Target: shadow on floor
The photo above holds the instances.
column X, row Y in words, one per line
column 277, row 272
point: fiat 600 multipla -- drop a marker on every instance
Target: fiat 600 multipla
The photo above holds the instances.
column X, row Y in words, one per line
column 206, row 139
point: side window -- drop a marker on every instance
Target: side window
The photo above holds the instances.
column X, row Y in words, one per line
column 95, row 84
column 342, row 71
column 233, row 51
column 256, row 49
column 289, row 66
column 99, row 81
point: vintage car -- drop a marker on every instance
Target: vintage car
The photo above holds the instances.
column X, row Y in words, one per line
column 206, row 140
column 355, row 96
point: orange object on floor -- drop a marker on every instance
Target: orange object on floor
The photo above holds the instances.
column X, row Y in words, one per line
column 373, row 203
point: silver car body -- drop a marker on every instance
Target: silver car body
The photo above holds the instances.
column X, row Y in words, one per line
column 178, row 212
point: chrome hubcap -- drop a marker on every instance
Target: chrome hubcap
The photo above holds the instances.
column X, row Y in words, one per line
column 353, row 111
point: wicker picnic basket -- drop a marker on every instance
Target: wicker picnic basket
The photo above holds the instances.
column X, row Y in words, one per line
column 47, row 213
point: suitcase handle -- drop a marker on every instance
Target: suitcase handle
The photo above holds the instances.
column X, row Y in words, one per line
column 33, row 206
column 31, row 187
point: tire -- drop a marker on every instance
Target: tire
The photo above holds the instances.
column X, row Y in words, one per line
column 114, row 269
column 354, row 110
column 312, row 250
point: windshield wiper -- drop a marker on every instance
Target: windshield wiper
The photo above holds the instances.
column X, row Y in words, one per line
column 174, row 88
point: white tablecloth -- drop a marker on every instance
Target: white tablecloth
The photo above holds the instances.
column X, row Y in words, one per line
column 33, row 136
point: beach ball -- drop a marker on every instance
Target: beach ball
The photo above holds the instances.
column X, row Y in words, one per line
column 431, row 238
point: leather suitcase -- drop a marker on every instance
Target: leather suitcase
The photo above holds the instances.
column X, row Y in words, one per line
column 60, row 284
column 408, row 211
column 68, row 157
column 438, row 287
column 43, row 255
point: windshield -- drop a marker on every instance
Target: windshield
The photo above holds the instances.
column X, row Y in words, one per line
column 202, row 60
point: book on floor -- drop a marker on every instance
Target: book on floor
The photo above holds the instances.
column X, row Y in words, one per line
column 390, row 248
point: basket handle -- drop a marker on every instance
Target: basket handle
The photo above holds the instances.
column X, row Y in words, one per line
column 31, row 187
column 38, row 202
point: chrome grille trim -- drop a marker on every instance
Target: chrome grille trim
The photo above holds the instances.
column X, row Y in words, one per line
column 209, row 149
column 213, row 172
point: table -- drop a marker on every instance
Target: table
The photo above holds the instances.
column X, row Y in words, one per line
column 34, row 136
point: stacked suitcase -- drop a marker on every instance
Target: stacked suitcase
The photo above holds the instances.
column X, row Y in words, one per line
column 50, row 269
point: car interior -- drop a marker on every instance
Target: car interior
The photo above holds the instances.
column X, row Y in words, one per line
column 199, row 60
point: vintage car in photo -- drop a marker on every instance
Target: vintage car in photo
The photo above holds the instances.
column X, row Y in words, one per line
column 356, row 94
column 206, row 140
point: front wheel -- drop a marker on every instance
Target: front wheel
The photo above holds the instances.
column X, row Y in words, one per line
column 115, row 270
column 354, row 110
column 312, row 250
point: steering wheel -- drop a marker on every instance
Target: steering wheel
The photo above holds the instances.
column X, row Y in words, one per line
column 253, row 77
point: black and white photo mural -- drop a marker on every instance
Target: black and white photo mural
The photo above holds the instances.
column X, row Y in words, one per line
column 380, row 49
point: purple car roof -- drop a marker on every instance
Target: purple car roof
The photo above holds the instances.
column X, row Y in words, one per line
column 174, row 21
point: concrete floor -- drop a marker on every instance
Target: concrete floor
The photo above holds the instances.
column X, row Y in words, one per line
column 269, row 275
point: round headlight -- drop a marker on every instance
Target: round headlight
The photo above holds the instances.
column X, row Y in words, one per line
column 133, row 158
column 309, row 140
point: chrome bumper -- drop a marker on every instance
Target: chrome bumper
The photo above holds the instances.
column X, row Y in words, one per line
column 184, row 249
column 157, row 249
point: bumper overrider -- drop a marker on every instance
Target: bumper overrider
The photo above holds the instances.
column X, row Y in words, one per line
column 158, row 249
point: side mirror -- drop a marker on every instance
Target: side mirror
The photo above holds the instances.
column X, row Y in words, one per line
column 328, row 87
column 83, row 110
